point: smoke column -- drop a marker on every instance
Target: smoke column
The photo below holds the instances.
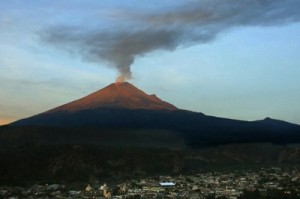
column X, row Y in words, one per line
column 192, row 23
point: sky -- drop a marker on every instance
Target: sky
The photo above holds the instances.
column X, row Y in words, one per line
column 227, row 58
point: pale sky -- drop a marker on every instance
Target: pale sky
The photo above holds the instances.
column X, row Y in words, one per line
column 216, row 57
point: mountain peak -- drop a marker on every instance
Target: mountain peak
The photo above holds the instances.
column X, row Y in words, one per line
column 117, row 95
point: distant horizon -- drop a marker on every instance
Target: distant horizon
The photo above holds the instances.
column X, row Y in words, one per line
column 225, row 59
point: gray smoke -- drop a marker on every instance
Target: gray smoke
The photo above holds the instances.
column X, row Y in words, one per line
column 195, row 22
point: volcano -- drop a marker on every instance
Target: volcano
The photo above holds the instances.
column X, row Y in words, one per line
column 123, row 106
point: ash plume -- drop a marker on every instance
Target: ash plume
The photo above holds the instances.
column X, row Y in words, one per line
column 191, row 23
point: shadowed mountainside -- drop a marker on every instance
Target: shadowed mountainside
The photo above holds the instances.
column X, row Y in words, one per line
column 50, row 154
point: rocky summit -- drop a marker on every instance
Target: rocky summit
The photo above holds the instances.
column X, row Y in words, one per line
column 117, row 95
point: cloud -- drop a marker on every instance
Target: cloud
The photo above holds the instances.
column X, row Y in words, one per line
column 141, row 32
